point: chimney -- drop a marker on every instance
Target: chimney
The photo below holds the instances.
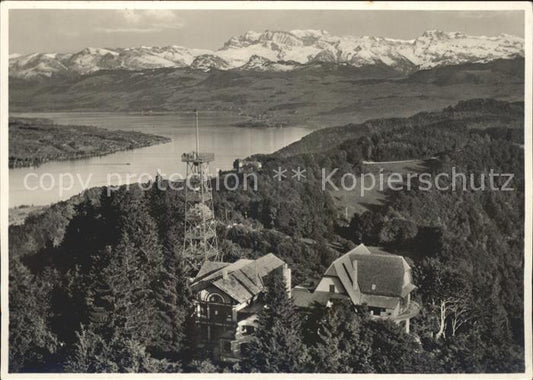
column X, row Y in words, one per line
column 287, row 278
column 355, row 284
column 224, row 274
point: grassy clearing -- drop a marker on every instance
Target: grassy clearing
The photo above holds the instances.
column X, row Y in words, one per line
column 349, row 202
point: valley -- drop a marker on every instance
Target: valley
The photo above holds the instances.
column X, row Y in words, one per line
column 319, row 96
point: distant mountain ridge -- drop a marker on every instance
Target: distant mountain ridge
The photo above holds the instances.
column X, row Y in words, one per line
column 317, row 95
column 280, row 51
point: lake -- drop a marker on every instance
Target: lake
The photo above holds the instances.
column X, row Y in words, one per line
column 41, row 185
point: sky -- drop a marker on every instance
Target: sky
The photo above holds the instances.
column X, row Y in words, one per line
column 55, row 30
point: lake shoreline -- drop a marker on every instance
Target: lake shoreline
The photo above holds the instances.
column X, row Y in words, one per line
column 41, row 185
column 250, row 122
column 36, row 141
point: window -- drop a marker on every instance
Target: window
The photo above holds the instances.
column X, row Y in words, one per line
column 332, row 288
column 228, row 317
column 376, row 310
column 246, row 330
column 216, row 298
column 203, row 311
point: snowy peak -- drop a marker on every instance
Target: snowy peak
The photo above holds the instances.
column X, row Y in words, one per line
column 309, row 33
column 207, row 62
column 436, row 34
column 275, row 50
column 37, row 65
column 433, row 48
column 92, row 59
column 258, row 63
column 97, row 51
column 436, row 48
column 266, row 39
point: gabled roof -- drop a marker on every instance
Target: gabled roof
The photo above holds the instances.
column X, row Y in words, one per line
column 378, row 273
column 209, row 267
column 244, row 277
column 360, row 249
column 343, row 269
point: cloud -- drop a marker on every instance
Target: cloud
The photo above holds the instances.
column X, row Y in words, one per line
column 142, row 21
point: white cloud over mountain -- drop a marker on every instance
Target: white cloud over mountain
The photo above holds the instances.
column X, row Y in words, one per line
column 145, row 21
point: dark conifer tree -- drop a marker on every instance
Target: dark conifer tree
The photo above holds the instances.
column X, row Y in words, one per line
column 277, row 344
column 173, row 303
column 122, row 301
column 393, row 350
column 31, row 343
column 93, row 354
column 340, row 342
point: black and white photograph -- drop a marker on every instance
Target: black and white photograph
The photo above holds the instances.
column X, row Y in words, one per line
column 256, row 188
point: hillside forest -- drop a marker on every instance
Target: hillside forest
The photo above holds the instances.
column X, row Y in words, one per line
column 96, row 283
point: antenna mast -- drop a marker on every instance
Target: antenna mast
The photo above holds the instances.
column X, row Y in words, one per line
column 197, row 133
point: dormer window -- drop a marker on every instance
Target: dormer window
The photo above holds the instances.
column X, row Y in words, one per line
column 247, row 330
column 332, row 288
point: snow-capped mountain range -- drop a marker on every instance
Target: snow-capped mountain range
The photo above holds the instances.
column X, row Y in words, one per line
column 281, row 51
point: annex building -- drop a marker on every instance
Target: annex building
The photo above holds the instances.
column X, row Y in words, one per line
column 378, row 279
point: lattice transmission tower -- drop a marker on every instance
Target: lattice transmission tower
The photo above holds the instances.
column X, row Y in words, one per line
column 200, row 237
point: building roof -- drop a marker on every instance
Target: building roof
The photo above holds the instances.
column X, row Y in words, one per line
column 250, row 309
column 209, row 267
column 213, row 269
column 302, row 297
column 240, row 280
column 378, row 273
